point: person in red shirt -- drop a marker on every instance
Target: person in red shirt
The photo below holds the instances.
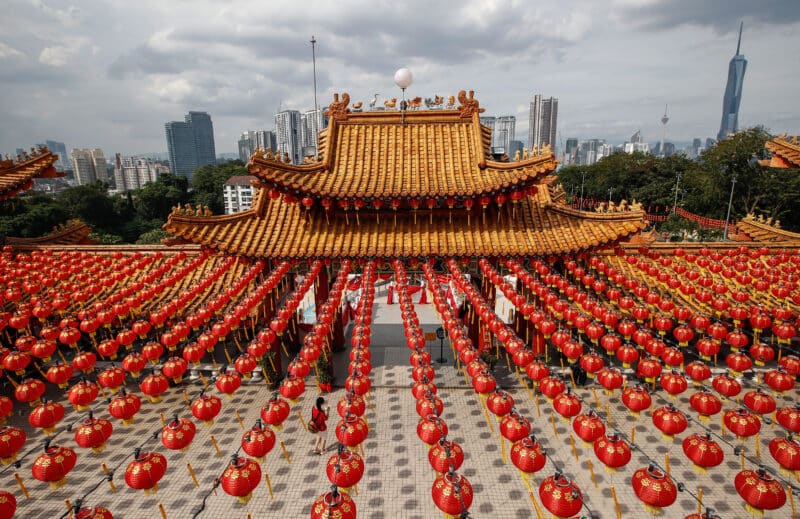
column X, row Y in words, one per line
column 319, row 416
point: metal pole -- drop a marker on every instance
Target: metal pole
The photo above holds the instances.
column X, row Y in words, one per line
column 677, row 183
column 316, row 105
column 610, row 190
column 730, row 202
column 583, row 179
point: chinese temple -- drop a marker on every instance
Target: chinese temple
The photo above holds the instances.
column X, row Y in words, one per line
column 583, row 371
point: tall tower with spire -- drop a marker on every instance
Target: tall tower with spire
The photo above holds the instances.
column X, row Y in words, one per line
column 664, row 121
column 733, row 92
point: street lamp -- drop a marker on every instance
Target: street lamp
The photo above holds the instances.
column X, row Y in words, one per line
column 583, row 179
column 730, row 202
column 677, row 183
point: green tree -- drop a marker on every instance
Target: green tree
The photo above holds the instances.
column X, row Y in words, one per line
column 91, row 204
column 153, row 236
column 155, row 200
column 207, row 184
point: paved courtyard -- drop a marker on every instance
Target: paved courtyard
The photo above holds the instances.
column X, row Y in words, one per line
column 397, row 479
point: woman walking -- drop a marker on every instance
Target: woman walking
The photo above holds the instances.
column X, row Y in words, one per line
column 319, row 416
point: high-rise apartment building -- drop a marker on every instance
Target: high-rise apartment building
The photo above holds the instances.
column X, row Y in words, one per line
column 134, row 172
column 570, row 151
column 265, row 139
column 311, row 123
column 733, row 92
column 592, row 150
column 287, row 132
column 237, row 193
column 503, row 134
column 636, row 144
column 542, row 122
column 251, row 140
column 190, row 143
column 89, row 165
column 58, row 148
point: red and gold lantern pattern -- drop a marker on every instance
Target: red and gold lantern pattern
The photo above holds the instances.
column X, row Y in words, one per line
column 706, row 404
column 786, row 452
column 241, row 477
column 8, row 505
column 352, row 404
column 345, row 469
column 93, row 433
column 146, row 470
column 636, row 399
column 654, row 488
column 560, row 495
column 206, row 408
column 429, row 429
column 334, row 504
column 82, row 394
column 292, row 387
column 452, row 494
column 124, row 407
column 741, row 422
column 258, row 441
column 11, row 441
column 702, row 451
column 59, row 374
column 352, row 430
column 760, row 491
column 588, row 426
column 53, row 465
column 567, row 404
column 46, row 415
column 527, row 455
column 789, row 417
column 439, row 458
column 178, row 434
column 499, row 403
column 174, row 368
column 613, row 451
column 153, row 386
column 228, row 382
column 30, row 390
column 514, row 426
column 111, row 378
column 274, row 412
column 670, row 421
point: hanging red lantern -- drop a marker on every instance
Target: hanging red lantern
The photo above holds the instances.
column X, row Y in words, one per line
column 698, row 371
column 702, row 451
column 258, row 441
column 445, row 455
column 636, row 399
column 82, row 394
column 146, row 470
column 499, row 403
column 789, row 417
column 726, row 385
column 59, row 374
column 613, row 451
column 174, row 368
column 514, row 426
column 759, row 402
column 673, row 382
column 741, row 422
column 705, row 403
column 334, row 504
column 8, row 505
column 292, row 387
column 654, row 488
column 124, row 407
column 648, row 369
column 228, row 382
column 275, row 411
column 345, row 469
column 352, row 431
column 153, row 386
column 738, row 363
column 429, row 429
column 527, row 455
column 11, row 441
column 759, row 490
column 206, row 408
column 567, row 404
column 588, row 426
column 786, row 452
column 357, row 383
column 84, row 361
column 53, row 465
column 610, row 378
column 46, row 415
column 779, row 380
column 134, row 363
column 93, row 433
column 452, row 494
column 98, row 512
column 353, row 404
column 560, row 495
column 670, row 421
column 791, row 363
column 591, row 363
column 178, row 434
column 241, row 477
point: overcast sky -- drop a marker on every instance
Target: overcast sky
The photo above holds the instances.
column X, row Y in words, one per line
column 110, row 73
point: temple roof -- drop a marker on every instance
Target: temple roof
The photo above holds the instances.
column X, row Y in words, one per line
column 534, row 226
column 765, row 230
column 16, row 176
column 785, row 152
column 389, row 154
column 73, row 232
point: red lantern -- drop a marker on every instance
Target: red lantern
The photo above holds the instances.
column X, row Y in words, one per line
column 789, row 417
column 759, row 490
column 11, row 441
column 345, row 469
column 726, row 385
column 124, row 407
column 702, row 451
column 59, row 374
column 292, row 387
column 334, row 504
column 353, row 404
column 613, row 451
column 445, row 455
column 53, row 465
column 82, row 394
column 673, row 383
column 636, row 399
column 786, row 452
column 706, row 404
column 588, row 426
column 499, row 403
column 153, row 386
column 452, row 494
column 98, row 512
column 560, row 495
column 567, row 404
column 738, row 363
column 654, row 488
column 527, row 455
column 610, row 378
column 228, row 382
column 84, row 361
column 741, row 422
column 258, row 441
column 46, row 415
column 274, row 412
column 146, row 470
column 206, row 408
column 670, row 421
column 8, row 505
column 779, row 380
column 698, row 371
column 93, row 433
column 134, row 363
column 759, row 402
column 429, row 429
column 514, row 426
column 178, row 434
column 353, row 430
column 174, row 368
column 241, row 477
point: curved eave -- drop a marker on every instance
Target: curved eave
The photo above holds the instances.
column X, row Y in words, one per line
column 317, row 181
column 72, row 233
column 764, row 232
column 788, row 151
column 529, row 229
column 15, row 177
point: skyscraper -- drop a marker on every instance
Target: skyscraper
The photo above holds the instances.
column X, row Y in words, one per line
column 287, row 132
column 59, row 149
column 89, row 165
column 133, row 172
column 733, row 92
column 311, row 123
column 247, row 145
column 503, row 134
column 190, row 143
column 542, row 122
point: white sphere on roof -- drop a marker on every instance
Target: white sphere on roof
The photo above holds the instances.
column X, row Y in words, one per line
column 403, row 77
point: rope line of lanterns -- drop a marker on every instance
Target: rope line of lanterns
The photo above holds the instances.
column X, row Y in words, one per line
column 665, row 387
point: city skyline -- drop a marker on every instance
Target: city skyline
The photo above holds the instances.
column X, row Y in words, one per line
column 613, row 65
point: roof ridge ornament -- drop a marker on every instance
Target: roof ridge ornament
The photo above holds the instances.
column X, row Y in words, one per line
column 469, row 105
column 338, row 110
